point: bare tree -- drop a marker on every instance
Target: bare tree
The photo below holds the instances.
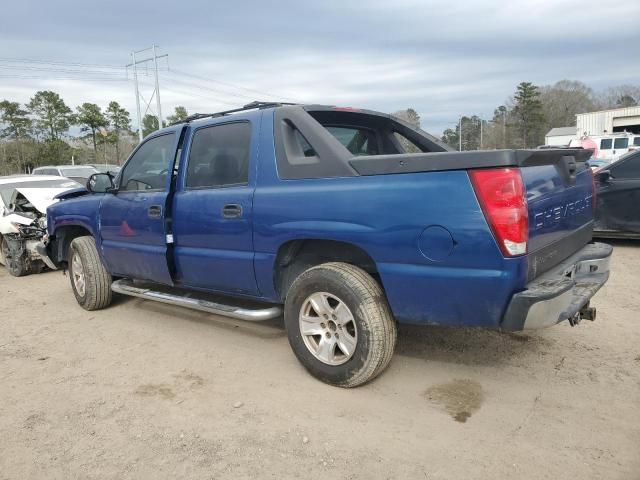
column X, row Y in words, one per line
column 563, row 100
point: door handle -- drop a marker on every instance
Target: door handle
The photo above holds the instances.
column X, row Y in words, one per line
column 154, row 211
column 232, row 210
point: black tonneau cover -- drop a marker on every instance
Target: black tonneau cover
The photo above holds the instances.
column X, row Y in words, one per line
column 439, row 161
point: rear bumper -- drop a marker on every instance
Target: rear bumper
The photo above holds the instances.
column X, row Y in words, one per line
column 560, row 293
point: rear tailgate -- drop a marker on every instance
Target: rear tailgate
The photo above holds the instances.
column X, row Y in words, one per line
column 560, row 207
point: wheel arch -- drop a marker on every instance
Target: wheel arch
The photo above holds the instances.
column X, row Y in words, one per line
column 62, row 238
column 296, row 256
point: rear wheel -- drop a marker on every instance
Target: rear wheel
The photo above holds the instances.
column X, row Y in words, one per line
column 14, row 259
column 339, row 324
column 90, row 281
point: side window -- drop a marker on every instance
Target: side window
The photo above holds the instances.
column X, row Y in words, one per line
column 606, row 144
column 219, row 156
column 636, row 141
column 407, row 145
column 148, row 168
column 628, row 168
column 306, row 149
column 359, row 141
column 621, row 143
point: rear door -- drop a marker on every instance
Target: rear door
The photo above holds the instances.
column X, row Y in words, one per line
column 560, row 207
column 132, row 221
column 212, row 208
column 619, row 196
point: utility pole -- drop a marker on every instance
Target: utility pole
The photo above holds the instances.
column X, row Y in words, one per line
column 155, row 65
column 460, row 134
column 156, row 90
column 504, row 129
column 481, row 134
column 135, row 79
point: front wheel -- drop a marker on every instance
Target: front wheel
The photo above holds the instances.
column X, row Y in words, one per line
column 15, row 259
column 90, row 281
column 339, row 324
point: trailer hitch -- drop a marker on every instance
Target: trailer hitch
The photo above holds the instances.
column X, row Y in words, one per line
column 585, row 313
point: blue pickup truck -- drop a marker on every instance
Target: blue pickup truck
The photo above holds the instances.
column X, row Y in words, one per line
column 346, row 221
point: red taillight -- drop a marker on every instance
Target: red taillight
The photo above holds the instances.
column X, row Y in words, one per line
column 501, row 194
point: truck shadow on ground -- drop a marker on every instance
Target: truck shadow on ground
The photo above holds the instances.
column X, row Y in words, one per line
column 468, row 346
column 619, row 242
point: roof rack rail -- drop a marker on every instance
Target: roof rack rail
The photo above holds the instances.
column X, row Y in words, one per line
column 249, row 106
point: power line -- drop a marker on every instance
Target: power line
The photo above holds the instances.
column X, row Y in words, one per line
column 201, row 87
column 49, row 77
column 77, row 64
column 192, row 94
column 238, row 87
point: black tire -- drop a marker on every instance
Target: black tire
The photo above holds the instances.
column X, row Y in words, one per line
column 17, row 267
column 376, row 329
column 97, row 281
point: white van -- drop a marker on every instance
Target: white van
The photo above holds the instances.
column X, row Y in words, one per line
column 613, row 146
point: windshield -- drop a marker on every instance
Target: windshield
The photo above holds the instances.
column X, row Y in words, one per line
column 6, row 189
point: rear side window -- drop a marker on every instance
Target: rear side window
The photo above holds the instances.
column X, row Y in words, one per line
column 606, row 144
column 636, row 141
column 219, row 156
column 359, row 141
column 628, row 168
column 306, row 150
column 621, row 143
column 407, row 145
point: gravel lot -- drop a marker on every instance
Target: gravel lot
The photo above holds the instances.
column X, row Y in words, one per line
column 144, row 390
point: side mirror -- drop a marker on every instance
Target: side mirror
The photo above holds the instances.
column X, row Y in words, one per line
column 603, row 176
column 100, row 183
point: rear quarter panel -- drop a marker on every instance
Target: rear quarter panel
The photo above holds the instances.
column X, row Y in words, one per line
column 386, row 216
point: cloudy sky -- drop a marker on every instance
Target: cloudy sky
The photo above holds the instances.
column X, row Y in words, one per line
column 443, row 58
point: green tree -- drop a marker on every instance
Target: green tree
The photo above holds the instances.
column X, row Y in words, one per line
column 16, row 120
column 149, row 124
column 53, row 116
column 119, row 121
column 451, row 136
column 91, row 118
column 409, row 115
column 470, row 133
column 53, row 152
column 179, row 116
column 528, row 114
column 17, row 126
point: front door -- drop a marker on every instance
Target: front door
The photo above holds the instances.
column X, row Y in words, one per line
column 618, row 197
column 212, row 227
column 132, row 220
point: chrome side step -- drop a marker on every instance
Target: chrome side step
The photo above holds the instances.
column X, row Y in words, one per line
column 127, row 287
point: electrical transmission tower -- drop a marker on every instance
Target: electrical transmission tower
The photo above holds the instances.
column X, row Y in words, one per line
column 156, row 92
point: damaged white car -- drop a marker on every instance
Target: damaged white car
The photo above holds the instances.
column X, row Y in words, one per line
column 23, row 218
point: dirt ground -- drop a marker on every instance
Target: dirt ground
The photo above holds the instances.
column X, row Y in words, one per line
column 143, row 390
